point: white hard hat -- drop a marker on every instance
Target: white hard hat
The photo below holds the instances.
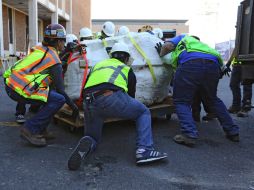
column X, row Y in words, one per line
column 71, row 38
column 123, row 30
column 120, row 47
column 158, row 32
column 109, row 28
column 85, row 33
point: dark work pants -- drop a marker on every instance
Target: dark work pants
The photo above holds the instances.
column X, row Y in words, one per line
column 235, row 82
column 40, row 121
column 194, row 75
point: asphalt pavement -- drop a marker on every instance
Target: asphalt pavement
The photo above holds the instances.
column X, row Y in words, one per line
column 215, row 163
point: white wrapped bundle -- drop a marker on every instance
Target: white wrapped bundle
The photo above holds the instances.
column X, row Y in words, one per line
column 147, row 90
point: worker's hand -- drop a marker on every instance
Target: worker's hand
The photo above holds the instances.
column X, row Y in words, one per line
column 225, row 71
column 75, row 113
column 71, row 46
column 158, row 47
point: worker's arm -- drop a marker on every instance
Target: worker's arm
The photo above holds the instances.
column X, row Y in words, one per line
column 170, row 45
column 233, row 54
column 132, row 83
column 56, row 75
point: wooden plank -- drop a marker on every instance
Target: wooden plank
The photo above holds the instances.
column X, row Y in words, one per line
column 64, row 114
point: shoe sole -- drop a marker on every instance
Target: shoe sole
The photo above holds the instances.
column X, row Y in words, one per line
column 182, row 142
column 20, row 121
column 75, row 159
column 23, row 136
column 151, row 159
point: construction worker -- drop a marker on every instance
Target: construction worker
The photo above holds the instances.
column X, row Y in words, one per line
column 85, row 34
column 123, row 30
column 37, row 79
column 70, row 44
column 110, row 93
column 197, row 67
column 238, row 107
column 108, row 30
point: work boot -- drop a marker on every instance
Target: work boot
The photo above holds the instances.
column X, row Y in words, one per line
column 209, row 117
column 20, row 119
column 48, row 135
column 184, row 140
column 36, row 140
column 80, row 152
column 233, row 138
column 234, row 109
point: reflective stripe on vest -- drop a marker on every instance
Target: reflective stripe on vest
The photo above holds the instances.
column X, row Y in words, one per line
column 26, row 75
column 109, row 71
column 191, row 44
column 236, row 62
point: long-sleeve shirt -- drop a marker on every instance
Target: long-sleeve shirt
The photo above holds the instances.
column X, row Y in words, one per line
column 55, row 73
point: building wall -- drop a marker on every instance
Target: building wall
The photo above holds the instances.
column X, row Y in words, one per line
column 20, row 28
column 81, row 15
column 180, row 28
column 5, row 27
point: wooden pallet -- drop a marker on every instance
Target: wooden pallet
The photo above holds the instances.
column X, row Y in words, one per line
column 165, row 108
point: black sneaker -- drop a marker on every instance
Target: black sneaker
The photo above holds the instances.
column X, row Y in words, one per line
column 145, row 156
column 233, row 109
column 184, row 140
column 80, row 152
column 20, row 119
column 242, row 113
column 233, row 138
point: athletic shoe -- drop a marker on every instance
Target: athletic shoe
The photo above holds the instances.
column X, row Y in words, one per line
column 20, row 119
column 145, row 156
column 80, row 152
column 184, row 140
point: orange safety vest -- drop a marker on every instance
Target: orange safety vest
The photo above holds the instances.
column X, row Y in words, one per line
column 28, row 77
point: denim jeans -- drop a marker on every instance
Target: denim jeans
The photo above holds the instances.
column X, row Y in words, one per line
column 40, row 121
column 118, row 105
column 235, row 82
column 189, row 78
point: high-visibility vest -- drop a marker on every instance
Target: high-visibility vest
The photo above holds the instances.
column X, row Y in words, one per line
column 109, row 71
column 28, row 77
column 191, row 44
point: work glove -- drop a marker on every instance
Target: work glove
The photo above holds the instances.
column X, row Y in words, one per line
column 71, row 46
column 158, row 47
column 225, row 70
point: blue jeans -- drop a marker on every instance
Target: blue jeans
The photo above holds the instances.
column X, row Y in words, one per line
column 40, row 121
column 235, row 82
column 189, row 78
column 118, row 105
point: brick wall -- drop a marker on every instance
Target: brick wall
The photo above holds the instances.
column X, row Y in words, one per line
column 81, row 15
column 20, row 26
column 180, row 28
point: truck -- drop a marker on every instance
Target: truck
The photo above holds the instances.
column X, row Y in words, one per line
column 244, row 43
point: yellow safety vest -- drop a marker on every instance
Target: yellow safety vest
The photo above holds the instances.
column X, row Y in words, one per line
column 26, row 77
column 109, row 71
